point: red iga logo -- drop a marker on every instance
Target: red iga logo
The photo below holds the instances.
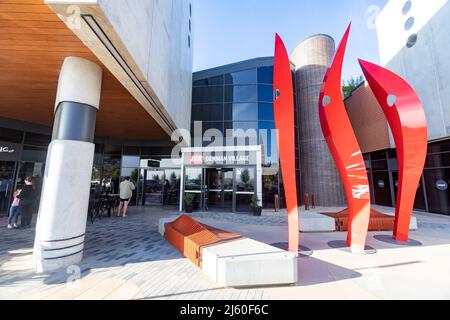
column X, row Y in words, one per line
column 197, row 159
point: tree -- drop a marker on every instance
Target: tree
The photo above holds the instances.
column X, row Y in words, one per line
column 349, row 86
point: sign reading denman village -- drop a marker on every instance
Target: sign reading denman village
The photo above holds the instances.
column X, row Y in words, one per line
column 208, row 159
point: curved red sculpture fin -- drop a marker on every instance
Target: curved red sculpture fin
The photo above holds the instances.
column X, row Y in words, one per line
column 408, row 123
column 284, row 122
column 345, row 150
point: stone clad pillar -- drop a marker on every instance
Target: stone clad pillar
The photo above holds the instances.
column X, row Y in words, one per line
column 62, row 218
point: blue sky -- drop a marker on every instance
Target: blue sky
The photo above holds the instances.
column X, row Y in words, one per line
column 228, row 31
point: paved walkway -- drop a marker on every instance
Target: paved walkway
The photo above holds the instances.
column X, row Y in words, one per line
column 126, row 258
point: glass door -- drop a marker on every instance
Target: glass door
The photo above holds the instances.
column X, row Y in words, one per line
column 219, row 189
column 7, row 173
column 152, row 188
column 193, row 184
column 245, row 188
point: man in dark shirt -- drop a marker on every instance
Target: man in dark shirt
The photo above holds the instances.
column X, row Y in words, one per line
column 27, row 198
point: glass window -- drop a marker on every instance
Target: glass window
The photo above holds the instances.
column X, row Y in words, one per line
column 242, row 77
column 265, row 93
column 35, row 139
column 439, row 147
column 214, row 81
column 270, row 189
column 207, row 94
column 382, row 189
column 34, row 154
column 113, row 149
column 265, row 75
column 193, row 179
column 437, row 184
column 379, row 155
column 380, row 165
column 10, row 135
column 268, row 142
column 266, row 112
column 245, row 179
column 132, row 151
column 249, row 136
column 438, row 160
column 240, row 93
column 207, row 112
column 152, row 152
column 130, row 162
column 245, row 112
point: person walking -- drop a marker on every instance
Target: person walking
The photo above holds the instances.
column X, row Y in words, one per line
column 27, row 198
column 126, row 189
column 13, row 212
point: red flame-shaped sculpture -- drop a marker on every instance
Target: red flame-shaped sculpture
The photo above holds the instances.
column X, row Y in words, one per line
column 408, row 123
column 284, row 123
column 345, row 150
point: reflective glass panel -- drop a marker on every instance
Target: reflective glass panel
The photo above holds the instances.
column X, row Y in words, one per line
column 265, row 93
column 214, row 81
column 207, row 112
column 212, row 94
column 266, row 112
column 241, row 77
column 241, row 93
column 265, row 75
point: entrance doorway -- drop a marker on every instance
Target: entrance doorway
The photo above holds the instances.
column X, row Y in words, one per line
column 218, row 190
column 159, row 187
column 152, row 188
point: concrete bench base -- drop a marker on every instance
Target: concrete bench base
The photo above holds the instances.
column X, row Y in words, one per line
column 315, row 222
column 249, row 263
column 162, row 224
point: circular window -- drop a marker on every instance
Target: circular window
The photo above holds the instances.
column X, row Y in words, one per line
column 409, row 23
column 411, row 41
column 441, row 185
column 407, row 7
column 381, row 184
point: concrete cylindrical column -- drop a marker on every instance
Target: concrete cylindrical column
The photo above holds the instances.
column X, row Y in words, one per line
column 61, row 225
column 319, row 174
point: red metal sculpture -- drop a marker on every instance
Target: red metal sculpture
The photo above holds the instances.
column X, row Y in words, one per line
column 407, row 120
column 345, row 150
column 284, row 122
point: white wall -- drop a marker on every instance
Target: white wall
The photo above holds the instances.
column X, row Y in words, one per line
column 156, row 33
column 426, row 65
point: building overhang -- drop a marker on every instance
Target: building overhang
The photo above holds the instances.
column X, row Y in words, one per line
column 33, row 45
column 87, row 20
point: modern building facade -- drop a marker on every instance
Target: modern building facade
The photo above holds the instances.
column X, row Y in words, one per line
column 413, row 41
column 233, row 99
column 121, row 75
